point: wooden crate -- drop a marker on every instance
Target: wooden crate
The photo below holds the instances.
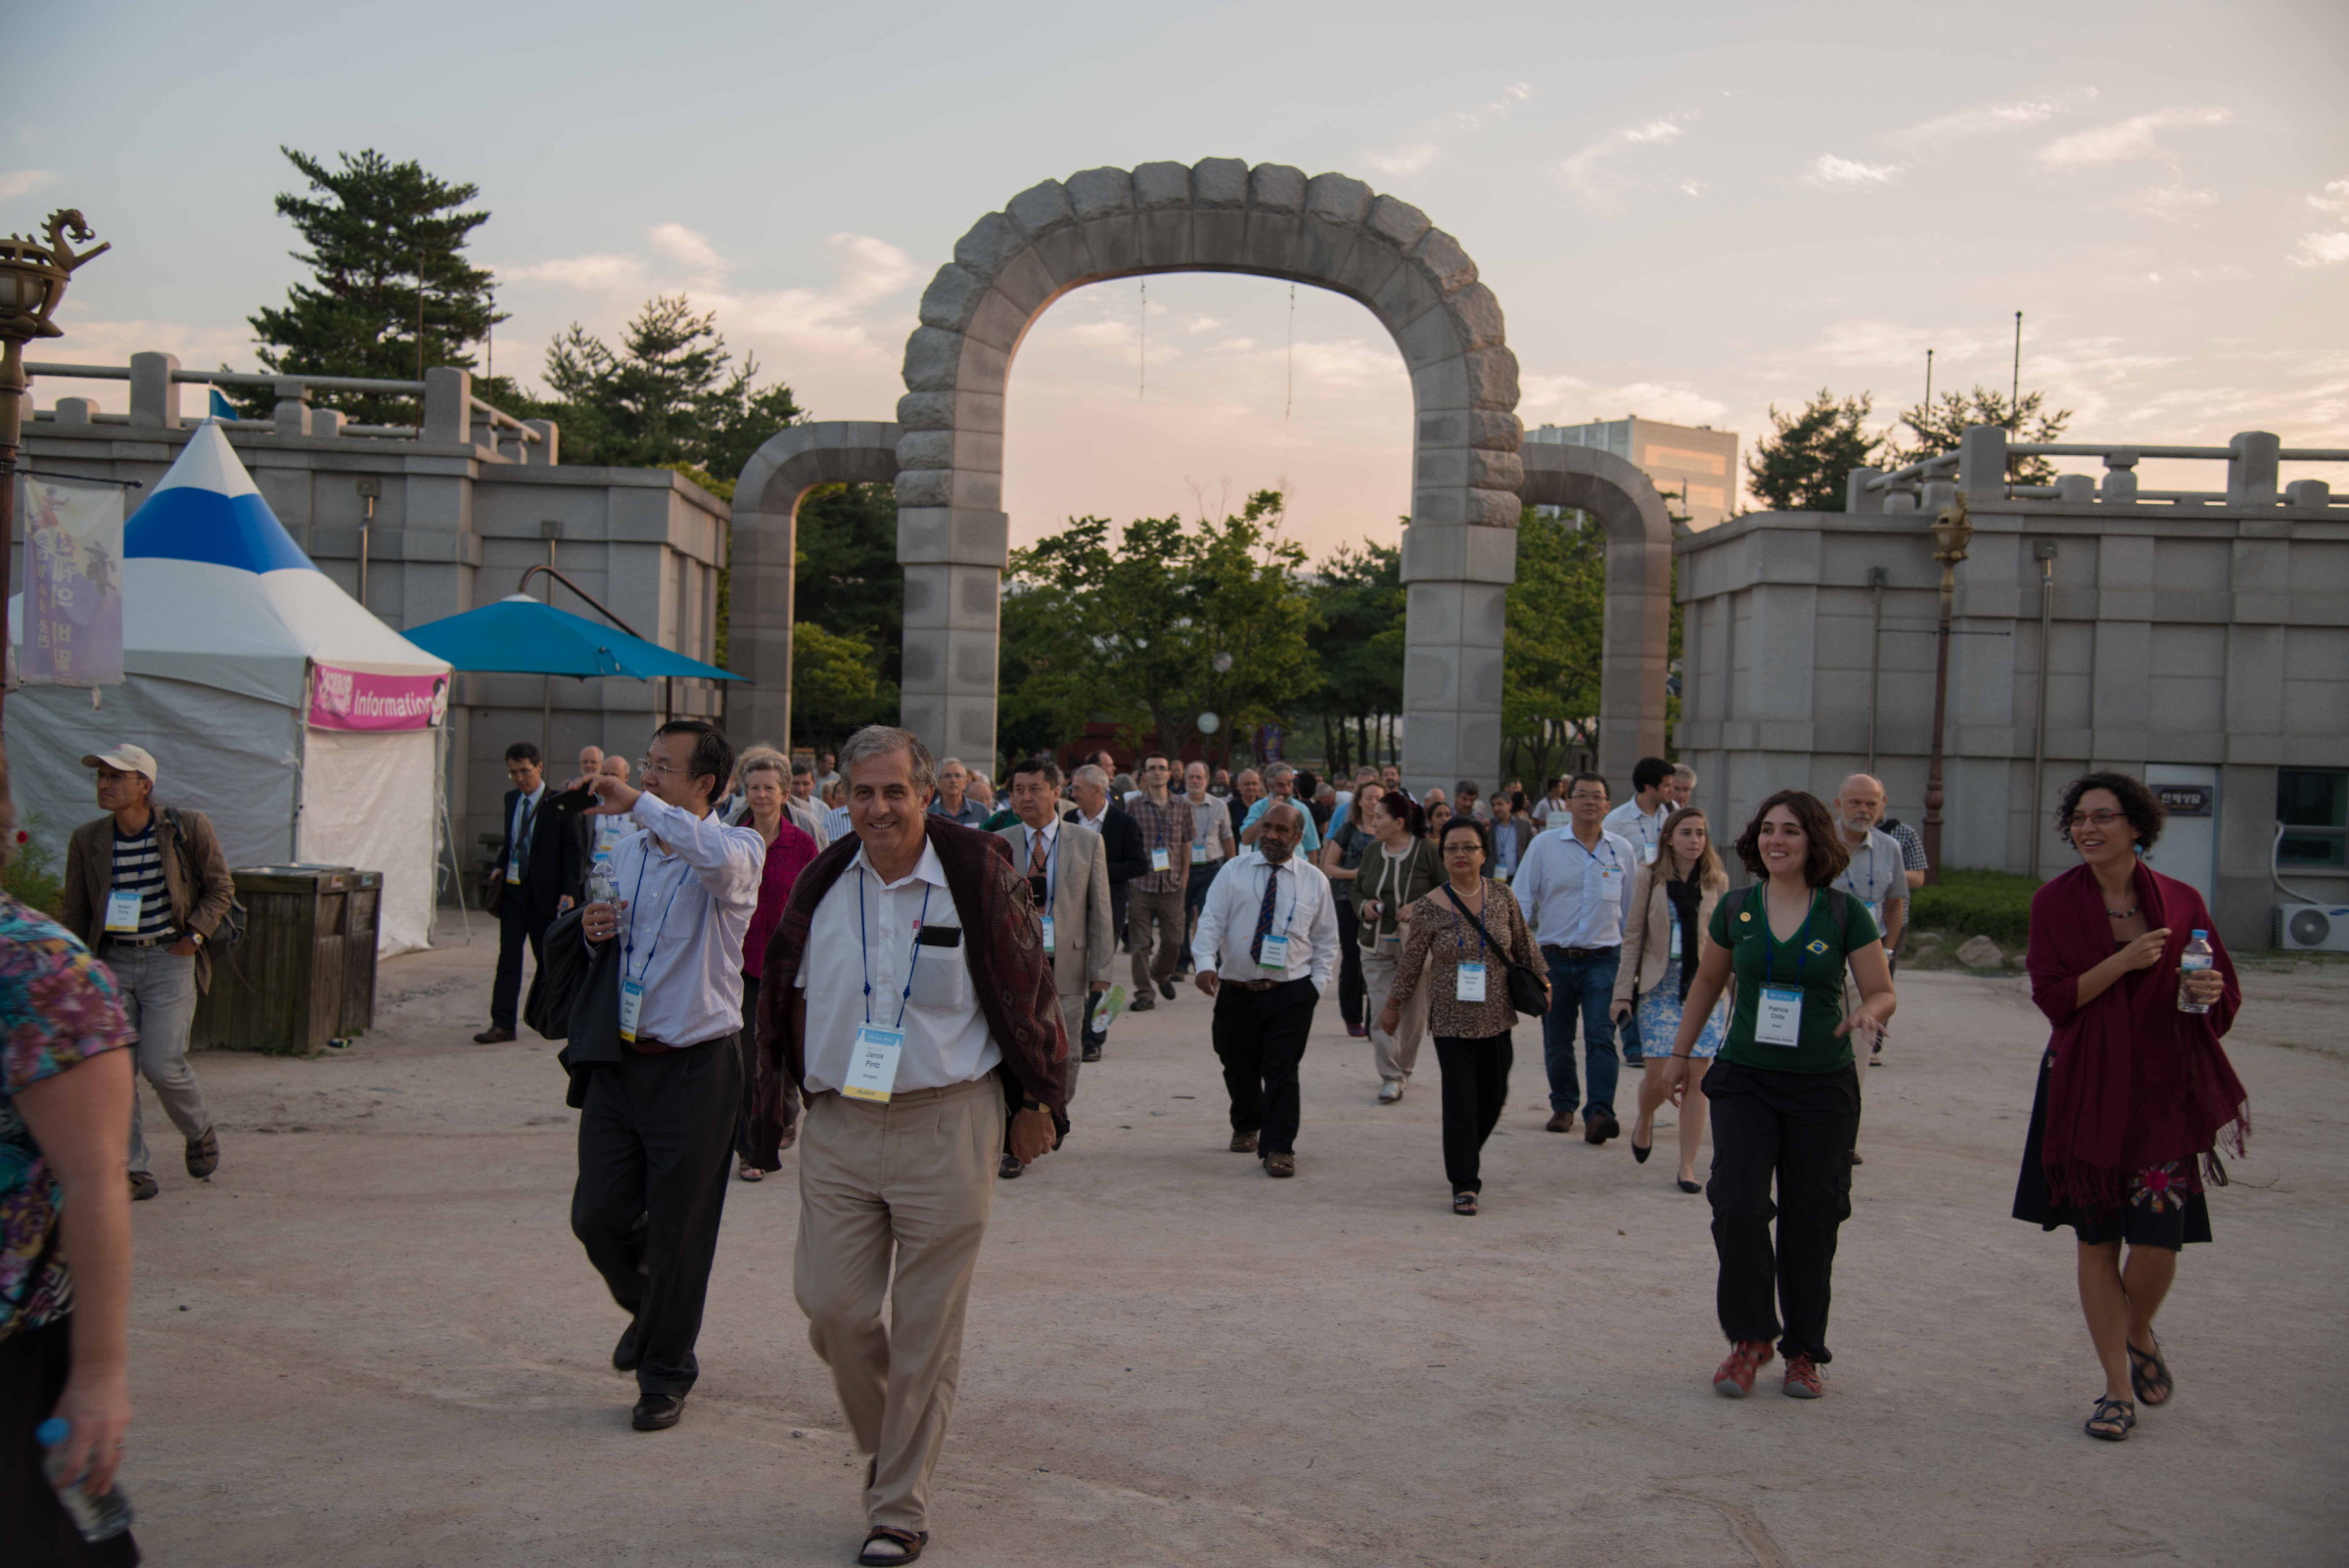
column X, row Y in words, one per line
column 304, row 973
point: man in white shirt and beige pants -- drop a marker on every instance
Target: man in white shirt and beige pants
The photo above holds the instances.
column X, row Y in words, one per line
column 907, row 993
column 658, row 1126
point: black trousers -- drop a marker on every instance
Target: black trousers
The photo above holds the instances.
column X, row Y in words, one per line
column 36, row 1531
column 1351, row 990
column 754, row 1064
column 1798, row 1128
column 654, row 1140
column 1260, row 1037
column 515, row 927
column 1476, row 1085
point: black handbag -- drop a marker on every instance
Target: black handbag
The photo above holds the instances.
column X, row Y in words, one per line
column 1527, row 992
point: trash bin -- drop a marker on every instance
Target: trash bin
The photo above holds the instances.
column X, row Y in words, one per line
column 304, row 973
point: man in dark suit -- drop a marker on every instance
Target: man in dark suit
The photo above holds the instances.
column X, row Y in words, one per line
column 542, row 862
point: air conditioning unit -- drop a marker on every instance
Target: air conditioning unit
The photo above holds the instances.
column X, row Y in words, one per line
column 2312, row 927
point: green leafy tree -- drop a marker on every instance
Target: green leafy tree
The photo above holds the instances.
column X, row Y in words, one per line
column 845, row 575
column 1804, row 464
column 1938, row 426
column 379, row 236
column 836, row 685
column 1357, row 599
column 669, row 395
column 1128, row 630
column 1552, row 647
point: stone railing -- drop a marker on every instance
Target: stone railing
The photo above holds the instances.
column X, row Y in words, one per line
column 1978, row 471
column 452, row 414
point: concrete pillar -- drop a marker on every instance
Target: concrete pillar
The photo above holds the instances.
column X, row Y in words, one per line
column 448, row 405
column 292, row 406
column 153, row 395
column 326, row 423
column 2120, row 479
column 1457, row 580
column 2251, row 470
column 2313, row 495
column 953, row 559
column 546, row 450
column 1856, row 496
column 1982, row 464
column 75, row 410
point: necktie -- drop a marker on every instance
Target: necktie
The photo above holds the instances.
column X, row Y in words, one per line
column 1263, row 913
column 1036, row 853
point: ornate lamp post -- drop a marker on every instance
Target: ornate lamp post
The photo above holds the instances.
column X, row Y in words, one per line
column 1952, row 532
column 33, row 275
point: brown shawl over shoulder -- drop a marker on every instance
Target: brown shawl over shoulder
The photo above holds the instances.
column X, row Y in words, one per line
column 1006, row 947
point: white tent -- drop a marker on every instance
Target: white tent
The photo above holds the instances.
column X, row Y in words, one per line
column 225, row 621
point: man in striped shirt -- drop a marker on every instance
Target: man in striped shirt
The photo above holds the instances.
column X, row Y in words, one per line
column 145, row 889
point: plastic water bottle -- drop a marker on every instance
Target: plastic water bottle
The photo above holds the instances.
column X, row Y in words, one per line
column 2197, row 957
column 99, row 1518
column 602, row 886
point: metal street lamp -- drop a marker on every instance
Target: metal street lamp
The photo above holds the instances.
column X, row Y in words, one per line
column 1952, row 532
column 33, row 275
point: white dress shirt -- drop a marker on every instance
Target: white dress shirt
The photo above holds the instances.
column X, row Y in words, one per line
column 862, row 936
column 1576, row 898
column 518, row 825
column 1301, row 910
column 691, row 885
column 1645, row 829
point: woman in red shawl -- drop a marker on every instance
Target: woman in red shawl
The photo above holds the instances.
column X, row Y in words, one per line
column 2134, row 1092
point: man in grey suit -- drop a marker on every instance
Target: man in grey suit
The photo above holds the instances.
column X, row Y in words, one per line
column 1066, row 867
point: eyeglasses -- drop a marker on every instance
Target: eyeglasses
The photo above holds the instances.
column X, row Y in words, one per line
column 2102, row 820
column 648, row 767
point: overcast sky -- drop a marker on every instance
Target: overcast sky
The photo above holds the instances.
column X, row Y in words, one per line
column 1687, row 212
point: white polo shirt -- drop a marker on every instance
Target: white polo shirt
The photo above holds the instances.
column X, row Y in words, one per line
column 862, row 955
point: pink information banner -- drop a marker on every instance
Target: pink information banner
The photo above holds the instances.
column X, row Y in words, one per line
column 355, row 699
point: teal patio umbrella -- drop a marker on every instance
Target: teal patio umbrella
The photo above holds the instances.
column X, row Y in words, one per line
column 519, row 635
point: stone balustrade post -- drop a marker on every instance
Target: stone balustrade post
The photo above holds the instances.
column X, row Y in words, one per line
column 1856, row 496
column 2313, row 495
column 448, row 406
column 75, row 411
column 2251, row 470
column 545, row 451
column 326, row 423
column 292, row 406
column 1982, row 463
column 2120, row 477
column 153, row 395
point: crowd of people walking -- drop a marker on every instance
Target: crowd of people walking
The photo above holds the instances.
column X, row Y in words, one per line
column 886, row 967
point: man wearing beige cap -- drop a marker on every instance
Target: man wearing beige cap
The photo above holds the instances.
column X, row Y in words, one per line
column 145, row 889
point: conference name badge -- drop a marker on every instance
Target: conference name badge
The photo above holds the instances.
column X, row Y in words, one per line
column 1651, row 853
column 122, row 911
column 513, row 874
column 1676, row 938
column 1471, row 984
column 1276, row 957
column 873, row 1063
column 1159, row 860
column 1050, row 946
column 1198, row 855
column 1778, row 1017
column 631, row 1004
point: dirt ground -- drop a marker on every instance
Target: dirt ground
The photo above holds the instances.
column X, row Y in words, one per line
column 372, row 1339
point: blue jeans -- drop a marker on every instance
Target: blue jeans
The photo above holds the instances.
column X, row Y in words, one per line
column 1585, row 984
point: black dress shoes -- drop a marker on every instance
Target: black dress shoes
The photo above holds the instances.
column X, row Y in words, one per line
column 494, row 1036
column 658, row 1412
column 1165, row 989
column 1141, row 1005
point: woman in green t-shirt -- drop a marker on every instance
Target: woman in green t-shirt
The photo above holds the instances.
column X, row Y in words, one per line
column 1785, row 1097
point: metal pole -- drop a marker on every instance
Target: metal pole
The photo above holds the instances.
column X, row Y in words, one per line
column 12, row 427
column 2039, row 712
column 2015, row 394
column 1928, row 381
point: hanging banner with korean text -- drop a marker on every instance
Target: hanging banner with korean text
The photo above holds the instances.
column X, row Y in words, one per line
column 358, row 699
column 72, row 617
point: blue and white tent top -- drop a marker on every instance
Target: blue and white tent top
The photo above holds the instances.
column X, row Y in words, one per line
column 215, row 591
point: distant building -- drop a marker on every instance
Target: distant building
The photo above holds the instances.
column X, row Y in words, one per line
column 1694, row 467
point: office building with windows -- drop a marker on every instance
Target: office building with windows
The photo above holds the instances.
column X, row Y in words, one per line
column 1693, row 466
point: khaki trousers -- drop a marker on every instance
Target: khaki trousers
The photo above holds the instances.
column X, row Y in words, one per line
column 1163, row 912
column 903, row 1189
column 1397, row 1053
column 1072, row 1015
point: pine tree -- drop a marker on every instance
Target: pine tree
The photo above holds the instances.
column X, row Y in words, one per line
column 1805, row 462
column 1940, row 424
column 384, row 241
column 669, row 395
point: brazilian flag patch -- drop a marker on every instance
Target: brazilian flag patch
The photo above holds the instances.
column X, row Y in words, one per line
column 1818, row 948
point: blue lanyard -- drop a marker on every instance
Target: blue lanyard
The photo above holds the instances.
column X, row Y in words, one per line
column 643, row 863
column 1770, row 953
column 864, row 955
column 1460, row 920
column 1614, row 860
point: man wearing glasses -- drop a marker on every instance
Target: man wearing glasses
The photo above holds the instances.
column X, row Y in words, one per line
column 656, row 1128
column 1573, row 884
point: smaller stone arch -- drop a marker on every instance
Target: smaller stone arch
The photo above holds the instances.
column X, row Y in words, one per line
column 1636, row 638
column 765, row 537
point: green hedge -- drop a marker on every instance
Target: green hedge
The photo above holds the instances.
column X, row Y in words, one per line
column 1976, row 903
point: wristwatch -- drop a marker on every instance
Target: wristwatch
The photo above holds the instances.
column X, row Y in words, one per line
column 1034, row 1105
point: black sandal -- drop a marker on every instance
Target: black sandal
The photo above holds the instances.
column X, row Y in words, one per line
column 2149, row 1375
column 2118, row 1415
column 913, row 1541
column 1464, row 1203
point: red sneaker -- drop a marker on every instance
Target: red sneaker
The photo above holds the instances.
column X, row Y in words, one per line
column 1804, row 1379
column 1734, row 1377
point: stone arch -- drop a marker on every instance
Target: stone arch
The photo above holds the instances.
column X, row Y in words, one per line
column 790, row 463
column 1460, row 549
column 1635, row 642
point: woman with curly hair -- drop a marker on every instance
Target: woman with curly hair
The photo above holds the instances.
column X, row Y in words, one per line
column 2135, row 1090
column 1785, row 1097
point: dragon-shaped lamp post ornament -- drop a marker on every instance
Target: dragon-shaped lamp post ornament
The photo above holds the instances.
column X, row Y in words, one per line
column 33, row 275
column 1952, row 532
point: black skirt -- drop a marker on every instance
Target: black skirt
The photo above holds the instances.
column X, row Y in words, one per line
column 2139, row 1225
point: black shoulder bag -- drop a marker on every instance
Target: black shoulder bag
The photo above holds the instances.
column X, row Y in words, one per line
column 231, row 928
column 1527, row 993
